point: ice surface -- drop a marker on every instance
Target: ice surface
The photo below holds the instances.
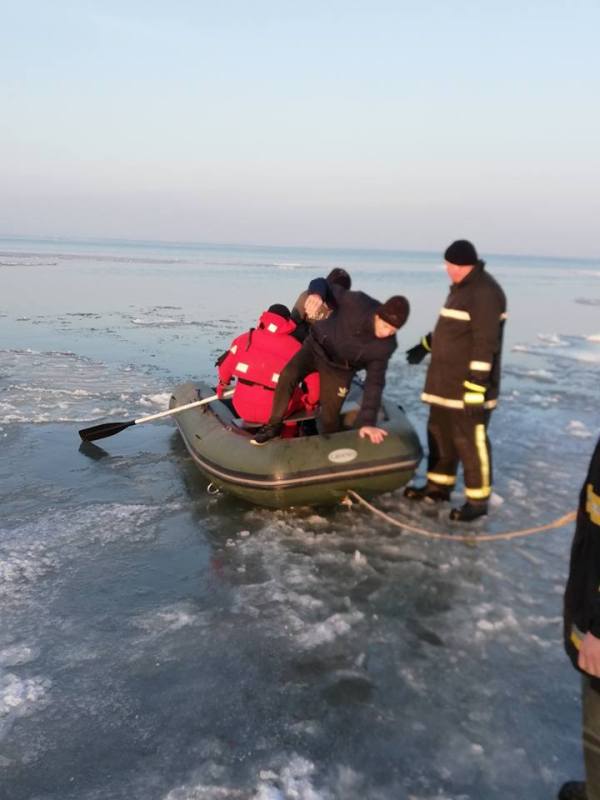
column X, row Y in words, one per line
column 562, row 346
column 37, row 549
column 20, row 698
column 160, row 644
column 41, row 387
column 169, row 619
column 16, row 655
column 578, row 429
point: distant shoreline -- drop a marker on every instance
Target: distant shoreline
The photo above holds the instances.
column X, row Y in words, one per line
column 111, row 242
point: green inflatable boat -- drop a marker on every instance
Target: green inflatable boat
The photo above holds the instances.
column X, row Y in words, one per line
column 310, row 469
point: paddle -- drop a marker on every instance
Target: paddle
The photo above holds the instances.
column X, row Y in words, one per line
column 111, row 428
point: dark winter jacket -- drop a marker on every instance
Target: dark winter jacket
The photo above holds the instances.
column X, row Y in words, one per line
column 303, row 322
column 346, row 340
column 582, row 593
column 467, row 341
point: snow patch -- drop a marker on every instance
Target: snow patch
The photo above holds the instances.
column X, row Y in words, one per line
column 330, row 629
column 20, row 697
column 578, row 429
column 168, row 619
column 16, row 655
column 294, row 782
column 161, row 400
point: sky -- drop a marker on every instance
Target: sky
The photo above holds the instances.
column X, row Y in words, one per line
column 394, row 124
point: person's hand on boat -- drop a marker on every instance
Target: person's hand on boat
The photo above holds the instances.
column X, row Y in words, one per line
column 376, row 435
column 313, row 305
column 221, row 388
column 589, row 655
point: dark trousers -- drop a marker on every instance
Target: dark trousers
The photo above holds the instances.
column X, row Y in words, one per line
column 334, row 386
column 453, row 436
column 591, row 739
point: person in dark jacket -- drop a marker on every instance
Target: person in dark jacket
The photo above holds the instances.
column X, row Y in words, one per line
column 256, row 359
column 360, row 334
column 318, row 301
column 582, row 627
column 462, row 384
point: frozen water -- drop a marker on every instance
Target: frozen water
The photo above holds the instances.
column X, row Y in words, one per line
column 41, row 387
column 157, row 643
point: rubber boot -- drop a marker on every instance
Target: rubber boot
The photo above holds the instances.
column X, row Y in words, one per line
column 572, row 790
column 468, row 512
column 309, row 428
column 428, row 493
column 266, row 433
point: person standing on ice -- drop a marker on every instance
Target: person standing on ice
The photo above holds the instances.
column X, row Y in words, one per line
column 256, row 359
column 582, row 627
column 462, row 384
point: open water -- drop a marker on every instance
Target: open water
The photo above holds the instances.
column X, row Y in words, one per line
column 158, row 643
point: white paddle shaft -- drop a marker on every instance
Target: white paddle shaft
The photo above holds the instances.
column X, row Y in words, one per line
column 177, row 410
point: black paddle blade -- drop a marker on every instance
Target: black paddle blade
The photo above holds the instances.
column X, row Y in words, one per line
column 104, row 430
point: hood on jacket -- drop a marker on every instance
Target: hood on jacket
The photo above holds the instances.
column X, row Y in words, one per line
column 275, row 324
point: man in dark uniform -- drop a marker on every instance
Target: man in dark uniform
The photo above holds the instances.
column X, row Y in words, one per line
column 360, row 334
column 582, row 627
column 462, row 383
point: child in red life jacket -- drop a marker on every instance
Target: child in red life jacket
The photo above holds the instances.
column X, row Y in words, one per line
column 256, row 359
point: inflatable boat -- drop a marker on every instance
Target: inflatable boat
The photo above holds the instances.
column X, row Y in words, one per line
column 308, row 469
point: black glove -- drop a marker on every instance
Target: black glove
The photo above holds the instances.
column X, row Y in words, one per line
column 417, row 353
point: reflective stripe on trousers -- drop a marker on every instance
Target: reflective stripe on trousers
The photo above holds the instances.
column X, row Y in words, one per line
column 483, row 491
column 454, row 437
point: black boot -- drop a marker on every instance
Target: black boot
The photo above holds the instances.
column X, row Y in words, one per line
column 468, row 512
column 266, row 433
column 309, row 428
column 428, row 493
column 573, row 790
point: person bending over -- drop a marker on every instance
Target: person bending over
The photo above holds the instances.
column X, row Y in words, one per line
column 360, row 334
column 256, row 359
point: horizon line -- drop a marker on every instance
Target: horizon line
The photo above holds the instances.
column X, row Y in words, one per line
column 332, row 248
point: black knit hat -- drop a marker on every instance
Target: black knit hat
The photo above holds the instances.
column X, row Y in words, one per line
column 394, row 311
column 340, row 277
column 461, row 253
column 280, row 310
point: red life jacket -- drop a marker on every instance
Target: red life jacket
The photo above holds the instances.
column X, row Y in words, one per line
column 256, row 359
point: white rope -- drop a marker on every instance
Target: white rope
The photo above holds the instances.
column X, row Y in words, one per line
column 471, row 538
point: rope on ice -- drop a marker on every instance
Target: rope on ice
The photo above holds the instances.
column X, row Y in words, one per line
column 470, row 538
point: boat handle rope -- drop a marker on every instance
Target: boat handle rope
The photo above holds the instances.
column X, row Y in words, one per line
column 471, row 538
column 212, row 489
